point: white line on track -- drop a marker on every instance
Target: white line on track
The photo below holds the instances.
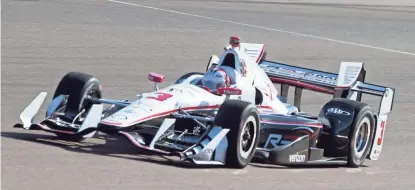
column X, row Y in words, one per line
column 266, row 28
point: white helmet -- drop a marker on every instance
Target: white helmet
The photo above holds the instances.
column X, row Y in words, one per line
column 215, row 78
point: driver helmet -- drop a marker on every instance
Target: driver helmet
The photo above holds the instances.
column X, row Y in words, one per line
column 215, row 78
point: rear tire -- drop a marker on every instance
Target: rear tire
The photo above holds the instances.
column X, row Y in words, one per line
column 361, row 136
column 242, row 118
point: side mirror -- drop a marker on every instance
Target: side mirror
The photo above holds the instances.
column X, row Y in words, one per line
column 156, row 78
column 229, row 91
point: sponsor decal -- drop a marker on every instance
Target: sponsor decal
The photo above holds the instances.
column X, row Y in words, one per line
column 204, row 155
column 283, row 71
column 129, row 111
column 321, row 78
column 382, row 126
column 243, row 67
column 251, row 50
column 351, row 73
column 119, row 116
column 231, row 92
column 297, row 157
column 292, row 72
column 273, row 140
column 208, row 151
column 338, row 111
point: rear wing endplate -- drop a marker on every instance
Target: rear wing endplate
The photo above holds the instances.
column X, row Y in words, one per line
column 348, row 83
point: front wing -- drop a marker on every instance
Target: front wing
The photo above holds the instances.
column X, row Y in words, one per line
column 86, row 129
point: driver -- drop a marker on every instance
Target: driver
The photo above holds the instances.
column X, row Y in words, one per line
column 215, row 78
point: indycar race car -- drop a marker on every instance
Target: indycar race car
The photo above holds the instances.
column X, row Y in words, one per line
column 246, row 119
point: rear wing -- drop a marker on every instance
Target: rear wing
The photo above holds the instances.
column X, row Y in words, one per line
column 348, row 83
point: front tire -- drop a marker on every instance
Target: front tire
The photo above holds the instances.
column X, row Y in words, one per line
column 242, row 118
column 78, row 86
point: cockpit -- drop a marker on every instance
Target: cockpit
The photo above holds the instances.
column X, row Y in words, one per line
column 228, row 63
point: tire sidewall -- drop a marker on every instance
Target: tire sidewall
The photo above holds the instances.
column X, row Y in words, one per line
column 364, row 115
column 250, row 113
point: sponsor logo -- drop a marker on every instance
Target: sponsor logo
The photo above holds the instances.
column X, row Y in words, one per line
column 251, row 50
column 351, row 73
column 273, row 141
column 231, row 92
column 297, row 157
column 337, row 111
column 119, row 117
column 129, row 111
column 296, row 73
column 380, row 139
column 208, row 151
column 283, row 71
column 321, row 78
column 243, row 67
column 204, row 155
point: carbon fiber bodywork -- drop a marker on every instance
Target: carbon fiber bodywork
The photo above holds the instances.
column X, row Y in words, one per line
column 290, row 140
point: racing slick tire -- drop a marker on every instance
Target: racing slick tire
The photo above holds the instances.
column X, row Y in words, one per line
column 360, row 144
column 359, row 118
column 242, row 118
column 78, row 86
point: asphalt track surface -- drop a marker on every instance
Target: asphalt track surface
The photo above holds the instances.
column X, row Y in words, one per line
column 121, row 42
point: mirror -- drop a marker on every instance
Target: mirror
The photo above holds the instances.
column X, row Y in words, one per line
column 158, row 78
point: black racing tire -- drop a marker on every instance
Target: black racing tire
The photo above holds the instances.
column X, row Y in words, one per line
column 239, row 116
column 359, row 148
column 78, row 86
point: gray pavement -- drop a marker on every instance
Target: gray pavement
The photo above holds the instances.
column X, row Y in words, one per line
column 120, row 43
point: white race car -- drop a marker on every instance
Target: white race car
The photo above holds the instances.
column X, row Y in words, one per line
column 229, row 114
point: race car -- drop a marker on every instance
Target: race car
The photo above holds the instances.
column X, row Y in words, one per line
column 230, row 114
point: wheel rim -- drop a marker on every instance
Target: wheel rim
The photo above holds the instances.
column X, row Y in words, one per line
column 92, row 93
column 87, row 104
column 248, row 136
column 362, row 136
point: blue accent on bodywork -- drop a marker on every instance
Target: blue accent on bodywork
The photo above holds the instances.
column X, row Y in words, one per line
column 55, row 105
column 282, row 99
